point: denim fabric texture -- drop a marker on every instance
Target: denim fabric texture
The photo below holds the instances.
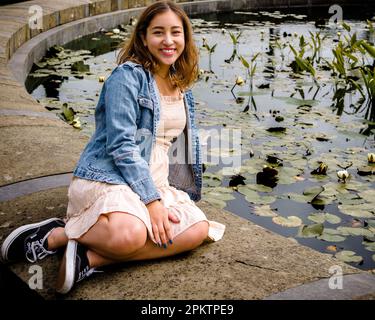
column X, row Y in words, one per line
column 127, row 117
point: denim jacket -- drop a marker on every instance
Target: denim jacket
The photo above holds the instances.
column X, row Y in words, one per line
column 127, row 117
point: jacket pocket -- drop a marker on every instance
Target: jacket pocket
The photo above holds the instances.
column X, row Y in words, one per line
column 145, row 118
column 146, row 103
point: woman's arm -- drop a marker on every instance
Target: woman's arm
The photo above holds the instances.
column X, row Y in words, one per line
column 121, row 108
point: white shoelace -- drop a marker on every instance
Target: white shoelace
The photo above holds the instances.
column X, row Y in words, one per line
column 36, row 251
column 84, row 274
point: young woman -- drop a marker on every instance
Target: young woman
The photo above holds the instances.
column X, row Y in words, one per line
column 131, row 197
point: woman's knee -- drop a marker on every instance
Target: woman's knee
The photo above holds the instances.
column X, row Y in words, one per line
column 126, row 235
column 198, row 234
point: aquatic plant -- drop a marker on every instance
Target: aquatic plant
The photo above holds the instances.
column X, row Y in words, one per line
column 210, row 50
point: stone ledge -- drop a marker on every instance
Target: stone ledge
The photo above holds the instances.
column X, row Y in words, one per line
column 33, row 146
column 250, row 262
column 241, row 266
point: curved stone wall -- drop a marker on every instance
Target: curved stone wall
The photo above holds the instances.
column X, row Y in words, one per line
column 38, row 152
column 85, row 17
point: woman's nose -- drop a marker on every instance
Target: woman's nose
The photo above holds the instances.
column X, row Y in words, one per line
column 168, row 39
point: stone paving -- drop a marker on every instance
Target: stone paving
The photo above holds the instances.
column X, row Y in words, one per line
column 250, row 262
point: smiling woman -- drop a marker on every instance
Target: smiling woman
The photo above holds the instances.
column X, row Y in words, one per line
column 127, row 200
column 166, row 46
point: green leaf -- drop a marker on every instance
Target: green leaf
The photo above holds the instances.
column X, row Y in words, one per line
column 68, row 113
column 348, row 231
column 290, row 221
column 370, row 246
column 310, row 231
column 368, row 195
column 322, row 217
column 331, row 237
column 233, row 37
column 356, row 211
column 244, row 62
column 246, row 191
column 313, row 191
column 346, row 26
column 216, row 202
column 369, row 48
column 348, row 256
column 264, row 211
column 255, row 56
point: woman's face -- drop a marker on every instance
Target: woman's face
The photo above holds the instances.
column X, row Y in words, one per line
column 165, row 38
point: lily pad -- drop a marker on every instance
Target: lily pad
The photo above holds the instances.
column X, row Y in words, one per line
column 312, row 192
column 310, row 231
column 211, row 179
column 348, row 231
column 368, row 195
column 370, row 246
column 216, row 202
column 331, row 237
column 263, row 200
column 247, row 191
column 290, row 221
column 322, row 217
column 220, row 196
column 296, row 197
column 348, row 256
column 356, row 211
column 259, row 187
column 264, row 211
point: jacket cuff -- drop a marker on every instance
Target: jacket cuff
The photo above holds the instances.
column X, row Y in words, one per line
column 146, row 190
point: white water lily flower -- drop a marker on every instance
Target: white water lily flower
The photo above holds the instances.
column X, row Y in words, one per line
column 116, row 31
column 343, row 174
column 371, row 157
column 239, row 81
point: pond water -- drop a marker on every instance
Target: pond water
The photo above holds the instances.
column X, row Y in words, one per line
column 291, row 122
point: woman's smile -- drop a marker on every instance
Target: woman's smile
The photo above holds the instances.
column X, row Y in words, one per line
column 165, row 38
column 168, row 52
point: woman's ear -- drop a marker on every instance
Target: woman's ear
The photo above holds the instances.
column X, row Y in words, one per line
column 144, row 40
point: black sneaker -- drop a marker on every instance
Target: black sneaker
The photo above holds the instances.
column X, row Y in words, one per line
column 30, row 241
column 77, row 266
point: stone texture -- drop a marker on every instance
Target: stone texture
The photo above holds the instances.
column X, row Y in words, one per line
column 15, row 96
column 248, row 263
column 32, row 147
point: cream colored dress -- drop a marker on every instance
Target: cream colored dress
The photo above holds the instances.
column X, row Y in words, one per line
column 89, row 199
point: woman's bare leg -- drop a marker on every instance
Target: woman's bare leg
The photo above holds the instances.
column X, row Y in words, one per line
column 57, row 239
column 188, row 240
column 120, row 237
column 115, row 235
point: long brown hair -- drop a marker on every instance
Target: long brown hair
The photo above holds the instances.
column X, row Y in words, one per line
column 185, row 69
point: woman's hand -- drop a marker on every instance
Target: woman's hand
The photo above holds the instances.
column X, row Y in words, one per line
column 160, row 217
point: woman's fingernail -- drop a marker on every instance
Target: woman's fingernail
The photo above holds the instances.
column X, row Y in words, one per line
column 165, row 246
column 170, row 241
